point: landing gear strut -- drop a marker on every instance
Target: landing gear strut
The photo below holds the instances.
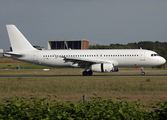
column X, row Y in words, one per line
column 87, row 73
column 142, row 71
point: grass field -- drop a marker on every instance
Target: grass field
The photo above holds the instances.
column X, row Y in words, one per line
column 146, row 89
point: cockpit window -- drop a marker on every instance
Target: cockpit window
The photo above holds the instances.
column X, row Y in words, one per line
column 154, row 55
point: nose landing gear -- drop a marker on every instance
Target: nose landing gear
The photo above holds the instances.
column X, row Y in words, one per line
column 142, row 71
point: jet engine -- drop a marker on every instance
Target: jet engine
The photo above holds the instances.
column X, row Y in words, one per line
column 104, row 67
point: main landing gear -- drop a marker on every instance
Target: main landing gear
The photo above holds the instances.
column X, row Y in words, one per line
column 87, row 73
column 142, row 71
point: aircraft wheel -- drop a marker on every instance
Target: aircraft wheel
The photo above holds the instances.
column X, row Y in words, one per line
column 90, row 72
column 143, row 73
column 84, row 73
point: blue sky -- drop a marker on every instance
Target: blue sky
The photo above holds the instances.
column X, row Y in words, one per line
column 100, row 21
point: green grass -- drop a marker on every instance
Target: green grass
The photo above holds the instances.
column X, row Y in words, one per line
column 72, row 88
column 77, row 84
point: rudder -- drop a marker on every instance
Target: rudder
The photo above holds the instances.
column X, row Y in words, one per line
column 17, row 40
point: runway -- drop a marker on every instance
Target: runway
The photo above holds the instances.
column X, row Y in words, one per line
column 67, row 76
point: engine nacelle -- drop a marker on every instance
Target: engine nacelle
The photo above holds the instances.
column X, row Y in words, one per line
column 104, row 67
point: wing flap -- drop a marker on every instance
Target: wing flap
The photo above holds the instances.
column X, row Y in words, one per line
column 82, row 62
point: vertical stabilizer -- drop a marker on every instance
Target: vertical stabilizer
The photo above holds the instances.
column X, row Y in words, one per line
column 17, row 40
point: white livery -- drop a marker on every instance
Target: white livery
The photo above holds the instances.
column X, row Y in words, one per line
column 91, row 60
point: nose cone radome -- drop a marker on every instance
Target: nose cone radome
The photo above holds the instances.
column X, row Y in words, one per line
column 163, row 61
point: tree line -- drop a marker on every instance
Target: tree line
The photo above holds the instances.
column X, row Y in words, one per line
column 159, row 47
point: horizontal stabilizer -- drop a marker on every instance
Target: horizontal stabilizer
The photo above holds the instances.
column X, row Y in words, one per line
column 14, row 54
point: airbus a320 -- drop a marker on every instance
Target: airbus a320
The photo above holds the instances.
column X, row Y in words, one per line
column 109, row 60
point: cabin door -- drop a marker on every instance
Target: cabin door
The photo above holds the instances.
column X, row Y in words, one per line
column 35, row 57
column 142, row 55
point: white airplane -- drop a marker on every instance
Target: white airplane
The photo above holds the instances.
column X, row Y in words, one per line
column 91, row 60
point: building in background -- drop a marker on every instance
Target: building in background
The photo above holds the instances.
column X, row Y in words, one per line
column 68, row 44
column 39, row 48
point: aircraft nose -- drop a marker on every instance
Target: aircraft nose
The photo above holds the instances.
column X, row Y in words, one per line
column 163, row 61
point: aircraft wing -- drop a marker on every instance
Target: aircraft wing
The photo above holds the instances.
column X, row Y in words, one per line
column 82, row 62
